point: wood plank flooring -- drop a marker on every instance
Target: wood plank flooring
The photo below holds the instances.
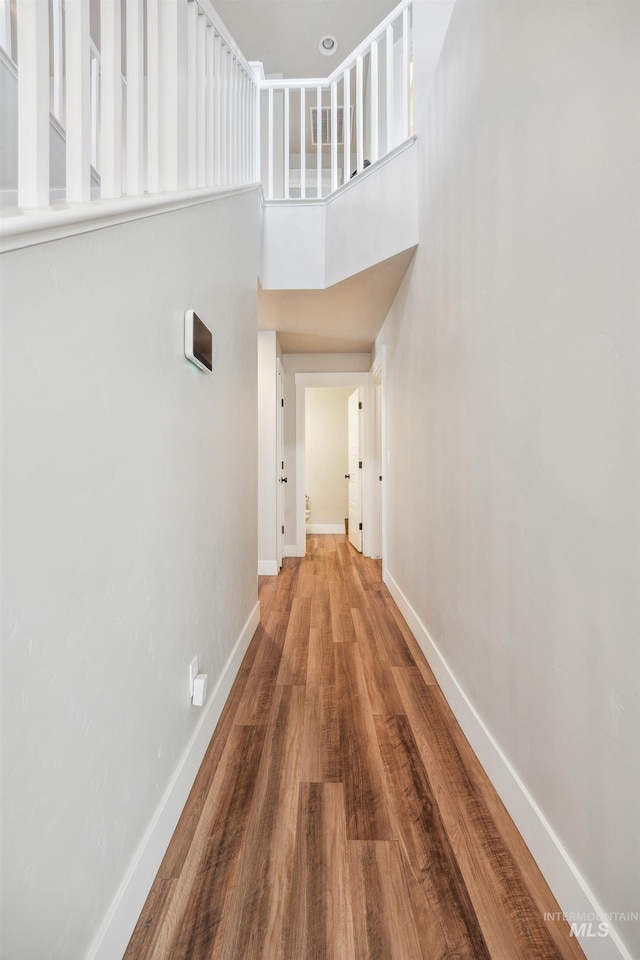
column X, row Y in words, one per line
column 339, row 813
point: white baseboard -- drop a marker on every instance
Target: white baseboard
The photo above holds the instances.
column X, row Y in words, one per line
column 293, row 550
column 565, row 880
column 114, row 935
column 267, row 568
column 325, row 528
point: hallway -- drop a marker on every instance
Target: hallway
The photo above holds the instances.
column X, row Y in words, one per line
column 339, row 812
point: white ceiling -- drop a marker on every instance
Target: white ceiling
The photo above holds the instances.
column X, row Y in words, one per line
column 344, row 318
column 284, row 34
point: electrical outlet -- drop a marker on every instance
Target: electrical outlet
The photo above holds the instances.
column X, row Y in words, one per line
column 193, row 673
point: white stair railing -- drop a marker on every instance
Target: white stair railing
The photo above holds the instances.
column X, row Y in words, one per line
column 320, row 132
column 183, row 110
column 134, row 120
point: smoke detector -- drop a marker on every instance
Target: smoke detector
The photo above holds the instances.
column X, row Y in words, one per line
column 328, row 45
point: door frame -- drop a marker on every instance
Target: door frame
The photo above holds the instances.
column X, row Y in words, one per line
column 304, row 380
column 379, row 501
column 280, row 503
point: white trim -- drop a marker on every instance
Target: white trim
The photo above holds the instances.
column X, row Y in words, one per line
column 569, row 887
column 268, row 568
column 25, row 229
column 292, row 550
column 325, row 528
column 114, row 934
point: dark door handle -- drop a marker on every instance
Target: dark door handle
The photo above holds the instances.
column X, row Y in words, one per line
column 283, row 479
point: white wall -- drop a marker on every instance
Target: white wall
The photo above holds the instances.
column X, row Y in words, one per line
column 327, row 454
column 267, row 466
column 128, row 522
column 307, row 363
column 512, row 409
column 372, row 218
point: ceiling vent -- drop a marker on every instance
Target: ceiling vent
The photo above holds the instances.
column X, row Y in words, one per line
column 325, row 125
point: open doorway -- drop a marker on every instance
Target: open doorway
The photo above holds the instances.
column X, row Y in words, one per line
column 356, row 476
column 327, row 459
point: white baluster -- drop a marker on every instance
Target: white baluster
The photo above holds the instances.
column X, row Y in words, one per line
column 224, row 120
column 57, row 65
column 237, row 114
column 95, row 111
column 217, row 107
column 232, row 116
column 78, row 97
column 243, row 127
column 173, row 113
column 286, row 143
column 346, row 124
column 334, row 136
column 110, row 99
column 153, row 97
column 33, row 104
column 209, row 106
column 389, row 79
column 135, row 98
column 373, row 73
column 257, row 136
column 201, row 99
column 405, row 73
column 319, row 141
column 192, row 96
column 270, row 147
column 359, row 115
column 303, row 144
column 249, row 128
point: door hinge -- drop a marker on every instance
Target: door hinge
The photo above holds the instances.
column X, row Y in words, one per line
column 282, row 402
column 359, row 526
column 359, row 404
column 360, row 464
column 283, row 527
column 283, row 467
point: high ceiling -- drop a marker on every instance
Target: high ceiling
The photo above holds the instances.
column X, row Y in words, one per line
column 284, row 34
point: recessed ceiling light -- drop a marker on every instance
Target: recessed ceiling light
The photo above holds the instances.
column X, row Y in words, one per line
column 328, row 46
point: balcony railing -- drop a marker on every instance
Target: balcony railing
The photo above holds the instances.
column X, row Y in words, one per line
column 320, row 133
column 169, row 104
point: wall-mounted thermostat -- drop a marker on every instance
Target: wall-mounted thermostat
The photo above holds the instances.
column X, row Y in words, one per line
column 198, row 342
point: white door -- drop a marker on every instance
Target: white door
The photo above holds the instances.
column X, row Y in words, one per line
column 280, row 472
column 355, row 472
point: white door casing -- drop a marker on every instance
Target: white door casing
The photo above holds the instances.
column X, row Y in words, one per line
column 280, row 471
column 355, row 470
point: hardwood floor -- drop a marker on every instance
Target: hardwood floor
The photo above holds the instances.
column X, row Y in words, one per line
column 339, row 813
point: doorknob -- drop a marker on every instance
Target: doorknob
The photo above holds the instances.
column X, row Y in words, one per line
column 347, row 476
column 283, row 479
